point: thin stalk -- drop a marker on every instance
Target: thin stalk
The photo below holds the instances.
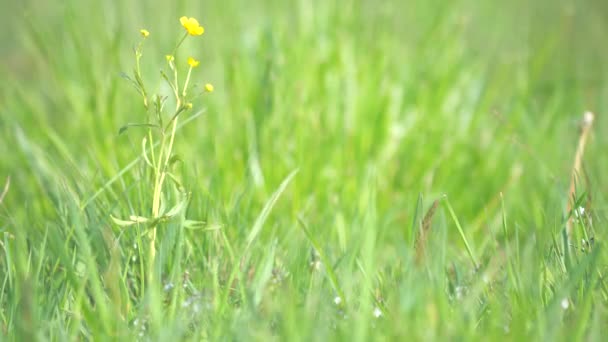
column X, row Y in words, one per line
column 461, row 232
column 171, row 139
column 179, row 43
column 138, row 56
column 150, row 139
column 160, row 163
column 160, row 173
column 155, row 210
column 186, row 83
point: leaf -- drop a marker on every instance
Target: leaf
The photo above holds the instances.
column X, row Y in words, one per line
column 166, row 78
column 324, row 259
column 144, row 152
column 121, row 223
column 138, row 79
column 202, row 225
column 6, row 187
column 192, row 224
column 174, row 159
column 132, row 81
column 139, row 219
column 177, row 208
column 460, row 231
column 416, row 223
column 158, row 107
column 263, row 276
column 125, row 127
column 172, row 177
column 259, row 222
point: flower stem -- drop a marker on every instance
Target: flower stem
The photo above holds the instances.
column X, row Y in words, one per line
column 179, row 43
column 158, row 184
column 186, row 83
column 160, row 167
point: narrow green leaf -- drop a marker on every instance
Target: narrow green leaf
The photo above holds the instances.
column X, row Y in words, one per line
column 192, row 224
column 174, row 159
column 328, row 267
column 259, row 222
column 461, row 232
column 178, row 184
column 139, row 219
column 122, row 223
column 131, row 81
column 177, row 208
column 127, row 126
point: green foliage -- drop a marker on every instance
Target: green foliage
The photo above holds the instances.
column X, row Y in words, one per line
column 384, row 108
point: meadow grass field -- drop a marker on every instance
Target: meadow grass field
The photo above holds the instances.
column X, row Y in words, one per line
column 352, row 170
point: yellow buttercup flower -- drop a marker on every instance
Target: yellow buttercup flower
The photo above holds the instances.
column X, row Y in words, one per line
column 208, row 87
column 144, row 33
column 193, row 62
column 191, row 25
column 169, row 58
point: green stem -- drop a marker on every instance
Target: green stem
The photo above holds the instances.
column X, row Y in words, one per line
column 160, row 166
column 171, row 139
column 186, row 83
column 179, row 43
column 138, row 55
column 158, row 179
column 151, row 142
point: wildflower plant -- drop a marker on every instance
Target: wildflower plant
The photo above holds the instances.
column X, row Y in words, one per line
column 158, row 143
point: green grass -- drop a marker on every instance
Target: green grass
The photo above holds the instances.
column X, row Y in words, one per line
column 333, row 128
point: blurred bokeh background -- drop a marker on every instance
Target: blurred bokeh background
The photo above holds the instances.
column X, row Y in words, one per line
column 329, row 86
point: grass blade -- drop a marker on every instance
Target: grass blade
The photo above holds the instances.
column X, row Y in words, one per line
column 259, row 222
column 461, row 232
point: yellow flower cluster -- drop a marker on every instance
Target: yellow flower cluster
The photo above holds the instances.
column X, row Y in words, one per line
column 193, row 28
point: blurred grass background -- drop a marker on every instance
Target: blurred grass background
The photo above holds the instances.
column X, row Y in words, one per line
column 375, row 103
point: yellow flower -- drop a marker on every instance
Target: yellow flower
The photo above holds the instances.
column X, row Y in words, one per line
column 188, row 105
column 191, row 25
column 170, row 58
column 144, row 33
column 208, row 87
column 193, row 62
